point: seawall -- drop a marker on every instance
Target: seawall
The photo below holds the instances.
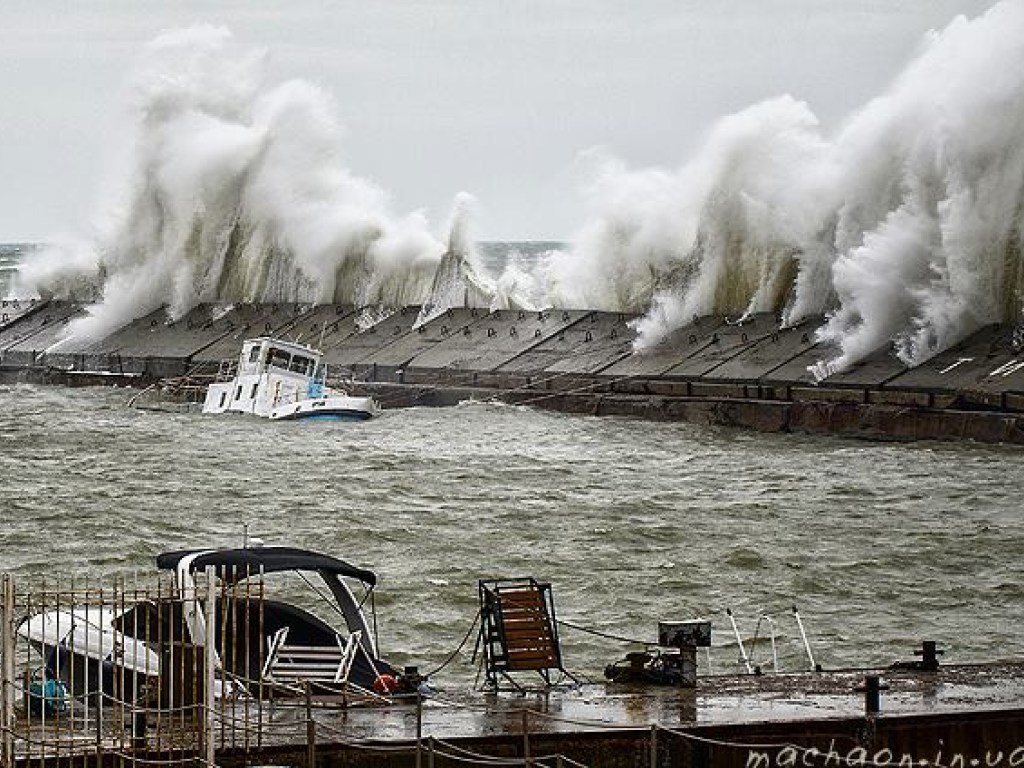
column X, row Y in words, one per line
column 752, row 374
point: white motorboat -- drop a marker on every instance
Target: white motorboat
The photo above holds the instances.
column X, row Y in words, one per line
column 283, row 380
column 123, row 650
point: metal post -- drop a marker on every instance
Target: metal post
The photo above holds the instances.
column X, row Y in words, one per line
column 101, row 692
column 526, row 740
column 209, row 656
column 807, row 645
column 654, row 745
column 310, row 728
column 7, row 672
column 419, row 729
column 929, row 654
column 872, row 690
column 739, row 641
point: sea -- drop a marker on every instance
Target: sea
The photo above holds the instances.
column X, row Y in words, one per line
column 877, row 545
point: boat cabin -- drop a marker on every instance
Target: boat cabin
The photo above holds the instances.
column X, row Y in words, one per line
column 269, row 373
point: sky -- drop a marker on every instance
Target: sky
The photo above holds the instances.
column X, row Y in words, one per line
column 503, row 99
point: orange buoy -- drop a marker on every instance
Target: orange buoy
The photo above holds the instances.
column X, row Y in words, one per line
column 385, row 684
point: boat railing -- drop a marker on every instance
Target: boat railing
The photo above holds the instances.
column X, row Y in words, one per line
column 227, row 370
column 766, row 631
column 183, row 392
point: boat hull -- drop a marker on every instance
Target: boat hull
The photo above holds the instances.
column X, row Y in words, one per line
column 80, row 649
column 328, row 408
column 86, row 676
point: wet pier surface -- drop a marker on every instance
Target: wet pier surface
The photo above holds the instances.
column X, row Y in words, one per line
column 811, row 707
column 717, row 370
column 723, row 701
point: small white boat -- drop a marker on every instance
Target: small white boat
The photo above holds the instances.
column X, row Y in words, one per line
column 280, row 380
column 261, row 646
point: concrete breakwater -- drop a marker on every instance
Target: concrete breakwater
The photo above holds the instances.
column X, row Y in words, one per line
column 751, row 374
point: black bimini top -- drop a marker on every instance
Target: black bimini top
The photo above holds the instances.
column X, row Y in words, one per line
column 238, row 564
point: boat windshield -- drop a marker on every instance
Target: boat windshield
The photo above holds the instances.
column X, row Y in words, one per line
column 286, row 361
column 301, row 364
column 278, row 358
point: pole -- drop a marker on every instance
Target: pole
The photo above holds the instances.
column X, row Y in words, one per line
column 209, row 655
column 803, row 634
column 654, row 745
column 526, row 740
column 310, row 728
column 739, row 641
column 419, row 729
column 7, row 673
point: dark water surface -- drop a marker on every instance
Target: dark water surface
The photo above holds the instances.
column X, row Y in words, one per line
column 880, row 545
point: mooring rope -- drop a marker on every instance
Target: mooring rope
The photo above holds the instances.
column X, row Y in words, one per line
column 453, row 654
column 605, row 635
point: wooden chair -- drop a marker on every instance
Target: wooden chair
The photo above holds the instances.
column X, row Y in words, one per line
column 518, row 632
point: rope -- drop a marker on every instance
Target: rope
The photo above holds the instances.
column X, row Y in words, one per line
column 135, row 759
column 361, row 744
column 493, row 760
column 589, row 723
column 603, row 634
column 477, row 760
column 489, row 759
column 576, row 391
column 462, row 645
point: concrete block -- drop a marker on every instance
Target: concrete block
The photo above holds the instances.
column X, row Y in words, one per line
column 900, row 398
column 717, row 390
column 827, row 395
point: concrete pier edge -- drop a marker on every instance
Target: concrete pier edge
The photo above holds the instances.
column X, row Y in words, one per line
column 753, row 374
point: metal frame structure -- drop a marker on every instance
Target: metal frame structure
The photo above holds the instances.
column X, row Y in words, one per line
column 519, row 632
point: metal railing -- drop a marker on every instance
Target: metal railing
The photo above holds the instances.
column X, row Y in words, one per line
column 101, row 670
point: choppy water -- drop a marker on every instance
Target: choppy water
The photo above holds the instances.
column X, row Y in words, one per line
column 880, row 545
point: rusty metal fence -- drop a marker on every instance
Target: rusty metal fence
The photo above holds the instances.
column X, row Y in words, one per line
column 119, row 671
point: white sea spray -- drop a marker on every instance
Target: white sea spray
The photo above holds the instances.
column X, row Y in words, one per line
column 903, row 227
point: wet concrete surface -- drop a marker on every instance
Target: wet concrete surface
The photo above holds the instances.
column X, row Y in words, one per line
column 731, row 700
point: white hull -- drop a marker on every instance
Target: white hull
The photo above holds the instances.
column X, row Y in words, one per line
column 343, row 408
column 91, row 656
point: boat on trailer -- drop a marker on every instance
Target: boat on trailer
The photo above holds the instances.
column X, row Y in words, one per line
column 283, row 380
column 261, row 646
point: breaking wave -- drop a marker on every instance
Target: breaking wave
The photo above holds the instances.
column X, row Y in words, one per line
column 903, row 228
column 236, row 192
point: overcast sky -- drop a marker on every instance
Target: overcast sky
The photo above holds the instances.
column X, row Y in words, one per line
column 494, row 97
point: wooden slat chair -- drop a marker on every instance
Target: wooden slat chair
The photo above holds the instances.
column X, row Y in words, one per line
column 518, row 631
column 297, row 664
